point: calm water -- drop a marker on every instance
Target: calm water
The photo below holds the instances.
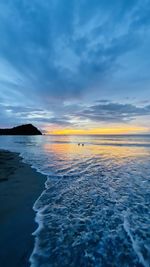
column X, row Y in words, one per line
column 95, row 208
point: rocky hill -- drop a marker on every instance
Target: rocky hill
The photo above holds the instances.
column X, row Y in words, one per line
column 27, row 129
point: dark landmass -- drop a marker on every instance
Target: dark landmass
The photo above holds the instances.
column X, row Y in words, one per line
column 27, row 129
column 20, row 186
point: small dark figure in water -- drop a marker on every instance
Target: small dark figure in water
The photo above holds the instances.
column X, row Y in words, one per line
column 79, row 144
column 82, row 144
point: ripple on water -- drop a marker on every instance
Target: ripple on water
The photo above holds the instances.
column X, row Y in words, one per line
column 85, row 219
column 95, row 208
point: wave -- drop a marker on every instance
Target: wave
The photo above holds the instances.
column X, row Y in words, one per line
column 94, row 209
column 136, row 244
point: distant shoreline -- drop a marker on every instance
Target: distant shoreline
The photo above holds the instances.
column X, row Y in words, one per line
column 20, row 186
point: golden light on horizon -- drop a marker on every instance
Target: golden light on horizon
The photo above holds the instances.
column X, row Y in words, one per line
column 100, row 131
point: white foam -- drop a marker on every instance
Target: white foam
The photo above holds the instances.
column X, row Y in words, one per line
column 135, row 242
column 38, row 217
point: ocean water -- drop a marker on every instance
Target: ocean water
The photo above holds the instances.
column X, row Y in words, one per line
column 95, row 210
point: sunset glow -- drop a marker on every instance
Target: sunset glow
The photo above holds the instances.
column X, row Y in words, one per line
column 99, row 131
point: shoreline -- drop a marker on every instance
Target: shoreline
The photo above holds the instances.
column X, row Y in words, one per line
column 20, row 187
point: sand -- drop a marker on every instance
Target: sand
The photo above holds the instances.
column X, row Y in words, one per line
column 20, row 186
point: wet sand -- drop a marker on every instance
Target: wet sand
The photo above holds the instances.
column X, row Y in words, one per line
column 20, row 186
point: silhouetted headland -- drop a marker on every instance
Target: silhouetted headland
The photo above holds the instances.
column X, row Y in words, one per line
column 27, row 129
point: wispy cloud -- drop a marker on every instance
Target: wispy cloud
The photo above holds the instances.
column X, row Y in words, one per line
column 62, row 46
column 56, row 51
column 78, row 116
column 114, row 112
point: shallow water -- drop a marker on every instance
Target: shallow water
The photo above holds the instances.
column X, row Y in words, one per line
column 95, row 208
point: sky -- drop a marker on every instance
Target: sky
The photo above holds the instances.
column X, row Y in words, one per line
column 75, row 66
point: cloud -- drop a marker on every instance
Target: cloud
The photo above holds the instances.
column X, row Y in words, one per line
column 68, row 51
column 23, row 110
column 62, row 121
column 35, row 115
column 77, row 116
column 63, row 48
column 114, row 112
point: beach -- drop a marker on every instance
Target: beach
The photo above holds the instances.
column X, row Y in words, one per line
column 20, row 186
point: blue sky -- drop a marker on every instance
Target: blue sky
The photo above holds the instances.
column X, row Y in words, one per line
column 75, row 63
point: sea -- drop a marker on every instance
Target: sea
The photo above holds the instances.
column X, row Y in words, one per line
column 95, row 209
